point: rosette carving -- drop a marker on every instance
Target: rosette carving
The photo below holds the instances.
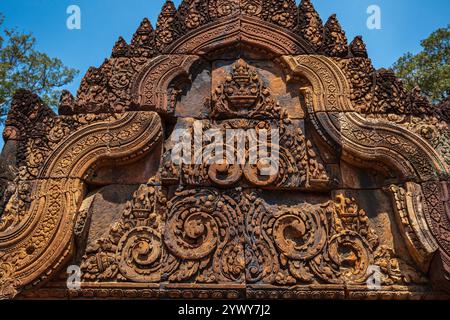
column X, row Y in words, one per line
column 223, row 8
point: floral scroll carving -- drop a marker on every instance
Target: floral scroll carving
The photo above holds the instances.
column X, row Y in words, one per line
column 319, row 227
column 243, row 103
column 418, row 236
column 203, row 238
column 210, row 236
column 331, row 242
column 358, row 136
column 37, row 246
column 133, row 248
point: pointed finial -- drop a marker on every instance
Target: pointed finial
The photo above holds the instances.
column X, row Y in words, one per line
column 358, row 47
column 241, row 68
column 335, row 41
column 169, row 26
column 310, row 25
column 418, row 103
column 28, row 103
column 193, row 13
column 66, row 103
column 145, row 27
column 389, row 94
column 143, row 43
column 120, row 49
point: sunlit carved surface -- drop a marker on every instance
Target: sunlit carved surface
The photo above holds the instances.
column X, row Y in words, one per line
column 357, row 208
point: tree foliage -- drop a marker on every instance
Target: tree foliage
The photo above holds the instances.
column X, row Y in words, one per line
column 23, row 67
column 430, row 68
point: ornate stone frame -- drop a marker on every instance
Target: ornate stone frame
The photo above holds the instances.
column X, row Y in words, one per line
column 33, row 252
column 240, row 29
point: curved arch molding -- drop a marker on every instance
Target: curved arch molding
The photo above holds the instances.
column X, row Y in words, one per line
column 240, row 29
column 33, row 250
column 155, row 86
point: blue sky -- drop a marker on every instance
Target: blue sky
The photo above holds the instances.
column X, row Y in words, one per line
column 404, row 24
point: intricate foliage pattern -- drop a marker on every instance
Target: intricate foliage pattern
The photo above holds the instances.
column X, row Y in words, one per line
column 203, row 237
column 193, row 13
column 310, row 25
column 37, row 131
column 412, row 223
column 335, row 41
column 330, row 243
column 169, row 26
column 380, row 91
column 218, row 230
column 218, row 237
column 41, row 235
column 133, row 249
column 298, row 167
column 430, row 128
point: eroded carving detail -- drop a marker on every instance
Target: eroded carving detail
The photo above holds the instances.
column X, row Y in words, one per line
column 329, row 243
column 249, row 107
column 243, row 95
column 412, row 221
column 335, row 41
column 310, row 25
column 227, row 228
column 37, row 244
column 169, row 26
column 133, row 249
column 203, row 237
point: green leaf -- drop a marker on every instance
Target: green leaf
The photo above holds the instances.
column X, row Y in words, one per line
column 430, row 68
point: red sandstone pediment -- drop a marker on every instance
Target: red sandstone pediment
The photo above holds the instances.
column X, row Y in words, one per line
column 357, row 207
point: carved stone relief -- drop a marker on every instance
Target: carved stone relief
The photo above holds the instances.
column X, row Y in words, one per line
column 361, row 190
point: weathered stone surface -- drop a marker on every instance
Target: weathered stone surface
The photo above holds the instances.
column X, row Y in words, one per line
column 361, row 188
column 360, row 178
column 287, row 93
column 138, row 172
column 8, row 171
column 106, row 206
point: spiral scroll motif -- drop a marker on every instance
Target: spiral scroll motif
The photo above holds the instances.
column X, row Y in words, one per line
column 201, row 234
column 300, row 235
column 346, row 260
column 139, row 252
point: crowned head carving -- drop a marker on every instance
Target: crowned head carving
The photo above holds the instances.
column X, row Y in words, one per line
column 243, row 95
column 242, row 86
